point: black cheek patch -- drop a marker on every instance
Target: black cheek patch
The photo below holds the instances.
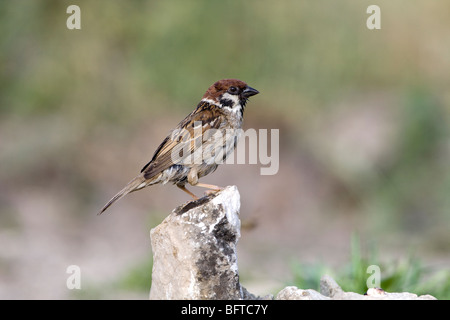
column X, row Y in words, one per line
column 226, row 102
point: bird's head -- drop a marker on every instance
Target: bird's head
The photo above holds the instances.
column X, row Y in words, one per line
column 229, row 93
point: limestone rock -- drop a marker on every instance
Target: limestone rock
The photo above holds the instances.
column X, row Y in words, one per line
column 294, row 293
column 330, row 290
column 194, row 250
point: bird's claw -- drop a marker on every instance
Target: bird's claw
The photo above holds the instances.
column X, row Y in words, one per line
column 212, row 192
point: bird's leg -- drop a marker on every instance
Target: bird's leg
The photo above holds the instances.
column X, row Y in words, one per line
column 193, row 180
column 212, row 188
column 187, row 191
column 208, row 186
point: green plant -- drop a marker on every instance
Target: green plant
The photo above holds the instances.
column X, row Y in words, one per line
column 137, row 278
column 407, row 274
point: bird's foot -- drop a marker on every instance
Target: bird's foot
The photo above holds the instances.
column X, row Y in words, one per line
column 212, row 191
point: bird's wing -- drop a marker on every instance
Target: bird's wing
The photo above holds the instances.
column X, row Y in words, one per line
column 180, row 146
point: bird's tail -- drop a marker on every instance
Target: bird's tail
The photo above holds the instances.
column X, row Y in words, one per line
column 135, row 184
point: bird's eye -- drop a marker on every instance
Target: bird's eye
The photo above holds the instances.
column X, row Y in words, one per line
column 233, row 90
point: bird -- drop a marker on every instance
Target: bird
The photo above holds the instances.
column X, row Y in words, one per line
column 199, row 143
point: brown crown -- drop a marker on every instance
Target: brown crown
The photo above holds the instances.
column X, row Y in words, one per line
column 221, row 87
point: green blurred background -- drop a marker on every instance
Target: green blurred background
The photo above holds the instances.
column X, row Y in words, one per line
column 363, row 118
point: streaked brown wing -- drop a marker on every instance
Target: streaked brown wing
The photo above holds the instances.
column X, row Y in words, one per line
column 185, row 139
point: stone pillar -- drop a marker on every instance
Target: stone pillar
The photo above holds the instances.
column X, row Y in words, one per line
column 194, row 250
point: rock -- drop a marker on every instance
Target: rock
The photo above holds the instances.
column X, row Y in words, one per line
column 294, row 293
column 330, row 290
column 194, row 250
column 329, row 287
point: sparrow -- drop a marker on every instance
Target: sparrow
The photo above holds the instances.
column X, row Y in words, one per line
column 199, row 143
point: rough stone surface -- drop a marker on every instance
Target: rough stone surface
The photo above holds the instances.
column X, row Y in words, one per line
column 330, row 290
column 194, row 250
column 294, row 293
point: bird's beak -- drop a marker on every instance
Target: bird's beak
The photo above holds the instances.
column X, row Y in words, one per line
column 248, row 92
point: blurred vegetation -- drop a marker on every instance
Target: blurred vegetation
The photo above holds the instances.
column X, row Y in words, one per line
column 134, row 283
column 72, row 100
column 407, row 274
column 138, row 278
